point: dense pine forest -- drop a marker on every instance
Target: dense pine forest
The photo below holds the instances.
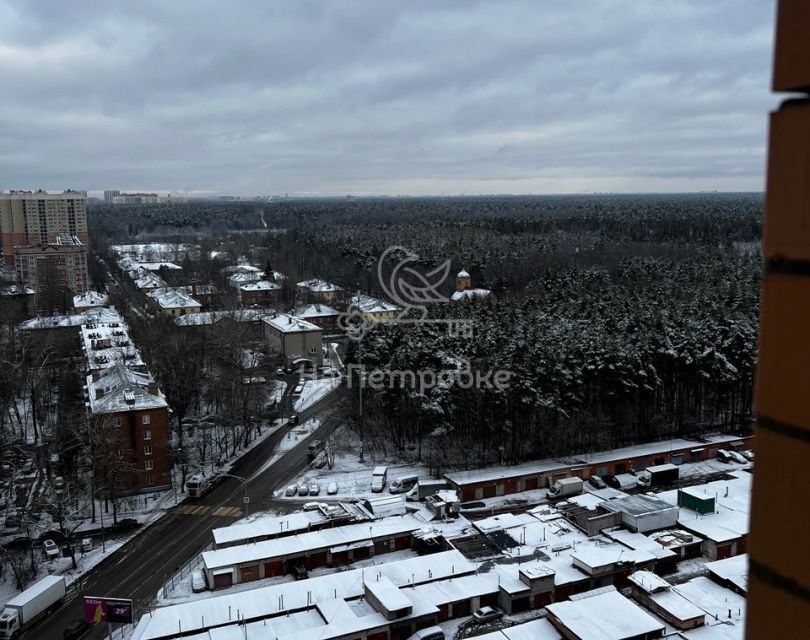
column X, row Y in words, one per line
column 620, row 319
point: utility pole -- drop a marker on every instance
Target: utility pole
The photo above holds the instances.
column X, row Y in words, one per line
column 360, row 391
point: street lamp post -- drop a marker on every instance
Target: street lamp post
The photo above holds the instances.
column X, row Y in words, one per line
column 245, row 498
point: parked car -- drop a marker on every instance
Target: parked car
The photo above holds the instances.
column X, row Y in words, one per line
column 303, row 489
column 291, row 490
column 612, row 482
column 331, row 488
column 596, row 482
column 280, row 372
column 314, row 506
column 87, row 545
column 58, row 483
column 737, row 457
column 314, row 489
column 487, row 614
column 198, row 582
column 293, row 419
column 748, row 455
column 723, row 456
column 51, row 549
column 430, row 633
column 76, row 629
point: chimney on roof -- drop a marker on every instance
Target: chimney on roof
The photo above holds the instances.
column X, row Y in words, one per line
column 193, row 287
column 152, row 388
column 99, row 393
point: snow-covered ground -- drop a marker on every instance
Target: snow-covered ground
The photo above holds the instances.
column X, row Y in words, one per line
column 353, row 478
column 145, row 509
column 313, row 391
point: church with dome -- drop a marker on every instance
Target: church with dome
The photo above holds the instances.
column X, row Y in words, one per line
column 465, row 290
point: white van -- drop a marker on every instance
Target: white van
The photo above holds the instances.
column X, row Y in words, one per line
column 378, row 479
column 430, row 633
column 403, row 484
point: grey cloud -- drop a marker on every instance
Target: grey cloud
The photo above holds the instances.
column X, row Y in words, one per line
column 385, row 97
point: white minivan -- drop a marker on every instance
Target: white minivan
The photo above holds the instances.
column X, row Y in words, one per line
column 403, row 484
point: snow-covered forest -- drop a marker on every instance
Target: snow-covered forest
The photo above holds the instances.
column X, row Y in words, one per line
column 620, row 318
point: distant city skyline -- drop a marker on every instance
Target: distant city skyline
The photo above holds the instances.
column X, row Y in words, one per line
column 320, row 99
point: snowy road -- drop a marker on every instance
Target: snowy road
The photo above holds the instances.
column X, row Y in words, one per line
column 140, row 568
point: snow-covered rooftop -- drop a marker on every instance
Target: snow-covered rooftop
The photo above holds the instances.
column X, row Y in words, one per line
column 540, row 629
column 387, row 593
column 286, row 323
column 604, row 614
column 89, row 299
column 173, row 299
column 318, row 286
column 151, row 251
column 265, row 527
column 118, row 388
column 150, row 281
column 304, row 542
column 367, row 304
column 260, row 285
column 241, row 278
column 95, row 315
column 266, row 601
column 108, row 343
column 648, row 581
column 211, row 317
column 471, row 294
column 715, row 600
column 638, row 505
column 314, row 311
column 733, row 569
column 732, row 506
column 593, row 556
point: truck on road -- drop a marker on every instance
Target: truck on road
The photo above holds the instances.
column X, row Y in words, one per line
column 313, row 449
column 565, row 488
column 660, row 475
column 198, row 485
column 35, row 602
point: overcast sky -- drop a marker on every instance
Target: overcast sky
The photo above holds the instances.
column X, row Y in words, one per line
column 405, row 96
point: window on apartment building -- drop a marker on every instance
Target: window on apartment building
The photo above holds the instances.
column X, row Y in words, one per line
column 150, row 480
column 147, row 451
column 116, row 422
column 149, row 465
column 147, row 434
column 313, row 349
column 147, row 419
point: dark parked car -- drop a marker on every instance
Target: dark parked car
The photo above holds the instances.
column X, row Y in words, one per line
column 76, row 629
column 612, row 482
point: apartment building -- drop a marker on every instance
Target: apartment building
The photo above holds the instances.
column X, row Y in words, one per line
column 60, row 264
column 129, row 431
column 34, row 218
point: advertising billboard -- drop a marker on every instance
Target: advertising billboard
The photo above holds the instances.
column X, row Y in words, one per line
column 107, row 609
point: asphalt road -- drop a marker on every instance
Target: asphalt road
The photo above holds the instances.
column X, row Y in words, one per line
column 140, row 568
